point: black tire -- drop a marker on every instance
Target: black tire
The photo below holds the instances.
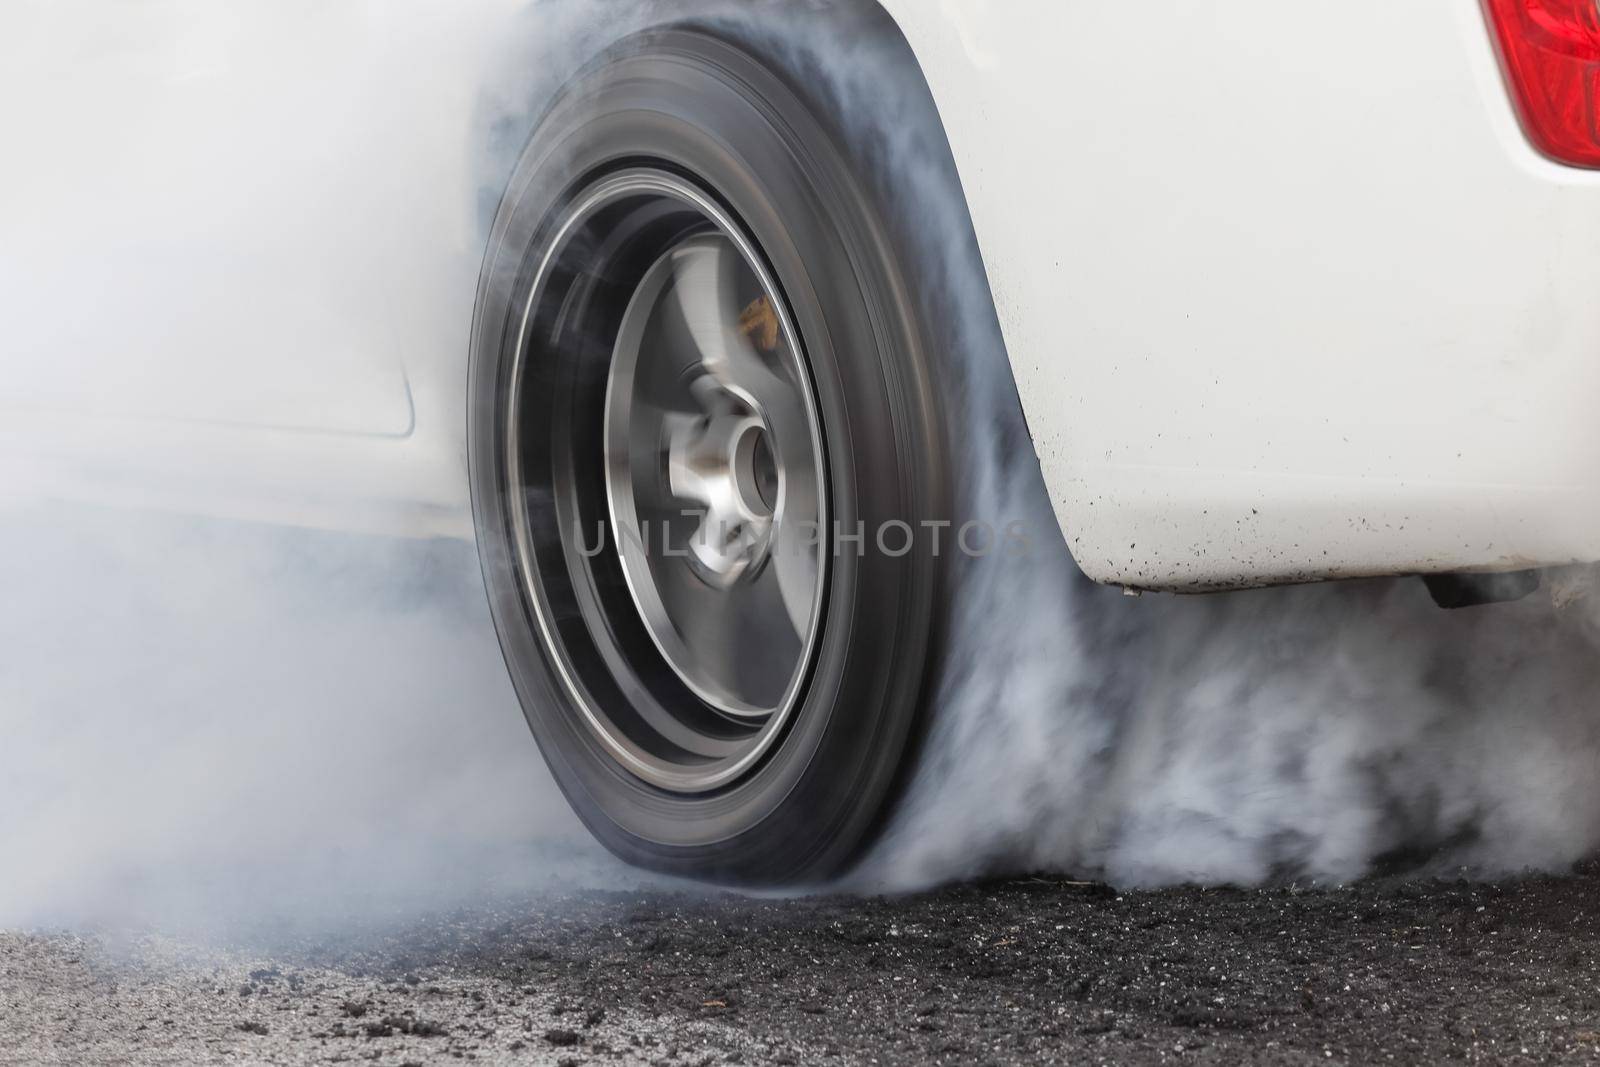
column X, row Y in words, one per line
column 694, row 105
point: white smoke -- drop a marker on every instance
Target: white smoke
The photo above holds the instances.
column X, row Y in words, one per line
column 248, row 211
column 208, row 722
column 1319, row 733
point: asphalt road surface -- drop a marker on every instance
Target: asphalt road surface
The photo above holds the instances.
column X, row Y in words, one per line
column 1027, row 971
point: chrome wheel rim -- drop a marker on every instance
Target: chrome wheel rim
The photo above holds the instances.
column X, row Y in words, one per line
column 714, row 476
column 711, row 480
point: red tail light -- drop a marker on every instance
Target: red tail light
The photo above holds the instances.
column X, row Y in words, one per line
column 1551, row 52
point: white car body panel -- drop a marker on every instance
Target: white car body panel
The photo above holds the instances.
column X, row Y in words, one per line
column 239, row 254
column 1287, row 294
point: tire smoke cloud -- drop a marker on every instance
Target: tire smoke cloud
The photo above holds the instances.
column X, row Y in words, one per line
column 220, row 719
column 228, row 727
column 1319, row 733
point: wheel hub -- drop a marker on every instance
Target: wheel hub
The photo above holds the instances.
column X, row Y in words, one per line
column 723, row 463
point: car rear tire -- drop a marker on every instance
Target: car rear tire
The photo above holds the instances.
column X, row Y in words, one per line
column 693, row 302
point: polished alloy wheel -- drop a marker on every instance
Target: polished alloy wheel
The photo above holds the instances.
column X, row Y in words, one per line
column 711, row 473
column 714, row 477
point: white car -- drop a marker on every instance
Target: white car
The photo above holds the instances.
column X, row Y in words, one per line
column 1287, row 293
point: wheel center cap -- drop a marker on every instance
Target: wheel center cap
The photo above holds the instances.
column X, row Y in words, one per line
column 725, row 462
